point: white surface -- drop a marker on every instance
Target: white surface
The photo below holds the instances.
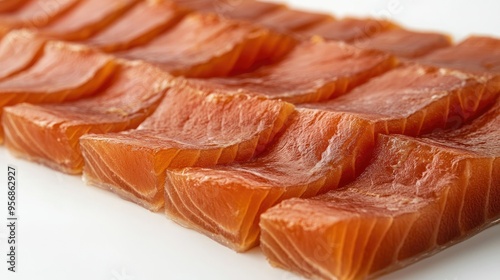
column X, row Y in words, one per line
column 71, row 231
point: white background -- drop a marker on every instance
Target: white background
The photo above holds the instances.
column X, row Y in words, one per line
column 71, row 231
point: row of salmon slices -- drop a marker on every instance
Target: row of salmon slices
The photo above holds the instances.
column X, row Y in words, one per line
column 347, row 148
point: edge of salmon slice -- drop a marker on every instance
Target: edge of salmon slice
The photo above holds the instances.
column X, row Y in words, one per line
column 18, row 50
column 210, row 46
column 50, row 133
column 317, row 152
column 427, row 99
column 418, row 197
column 54, row 77
column 189, row 128
column 349, row 29
column 86, row 18
column 161, row 15
column 405, row 43
column 313, row 71
column 249, row 10
column 290, row 20
column 475, row 54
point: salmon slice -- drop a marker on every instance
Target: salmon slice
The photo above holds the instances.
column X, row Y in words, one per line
column 37, row 13
column 475, row 54
column 318, row 151
column 149, row 19
column 288, row 20
column 242, row 10
column 10, row 5
column 208, row 45
column 313, row 71
column 404, row 43
column 417, row 197
column 189, row 128
column 3, row 30
column 54, row 77
column 50, row 133
column 86, row 19
column 349, row 29
column 414, row 99
column 19, row 49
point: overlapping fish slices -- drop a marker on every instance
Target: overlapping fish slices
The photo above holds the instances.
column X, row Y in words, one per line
column 415, row 99
column 317, row 152
column 189, row 128
column 405, row 43
column 88, row 17
column 313, row 71
column 241, row 10
column 149, row 19
column 54, row 77
column 349, row 29
column 208, row 46
column 475, row 54
column 289, row 20
column 19, row 49
column 50, row 133
column 37, row 13
column 417, row 197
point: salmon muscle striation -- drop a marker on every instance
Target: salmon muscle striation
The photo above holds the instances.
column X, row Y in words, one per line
column 317, row 152
column 189, row 128
column 50, row 133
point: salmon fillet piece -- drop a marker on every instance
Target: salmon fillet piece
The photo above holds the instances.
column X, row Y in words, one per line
column 417, row 197
column 189, row 128
column 475, row 54
column 10, row 5
column 313, row 71
column 86, row 19
column 317, row 152
column 50, row 133
column 349, row 29
column 208, row 46
column 149, row 18
column 242, row 10
column 37, row 13
column 3, row 30
column 414, row 100
column 289, row 20
column 19, row 49
column 405, row 43
column 54, row 77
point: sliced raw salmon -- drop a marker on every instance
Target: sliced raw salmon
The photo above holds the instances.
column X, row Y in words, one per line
column 10, row 5
column 50, row 133
column 208, row 45
column 149, row 19
column 318, row 151
column 54, row 77
column 241, row 9
column 404, row 43
column 475, row 54
column 87, row 18
column 417, row 197
column 414, row 99
column 349, row 29
column 37, row 13
column 289, row 20
column 313, row 71
column 3, row 30
column 189, row 128
column 18, row 50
